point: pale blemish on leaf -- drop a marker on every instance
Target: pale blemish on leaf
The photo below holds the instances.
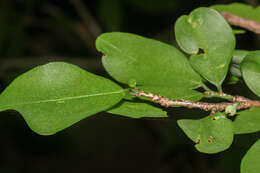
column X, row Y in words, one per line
column 210, row 139
column 221, row 66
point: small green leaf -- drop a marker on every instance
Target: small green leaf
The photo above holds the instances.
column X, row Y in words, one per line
column 247, row 121
column 137, row 110
column 238, row 31
column 207, row 36
column 240, row 9
column 149, row 62
column 132, row 83
column 231, row 109
column 250, row 162
column 211, row 134
column 238, row 56
column 250, row 67
column 56, row 95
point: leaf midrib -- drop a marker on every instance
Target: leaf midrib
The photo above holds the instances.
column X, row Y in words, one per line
column 61, row 99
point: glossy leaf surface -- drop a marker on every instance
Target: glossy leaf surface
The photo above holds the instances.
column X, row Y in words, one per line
column 250, row 162
column 206, row 35
column 56, row 95
column 247, row 121
column 250, row 67
column 211, row 134
column 137, row 110
column 149, row 62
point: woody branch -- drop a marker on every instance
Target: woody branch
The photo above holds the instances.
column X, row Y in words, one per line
column 250, row 25
column 243, row 103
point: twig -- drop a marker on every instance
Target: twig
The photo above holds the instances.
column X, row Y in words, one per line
column 248, row 24
column 87, row 18
column 244, row 103
column 87, row 31
column 90, row 29
column 221, row 95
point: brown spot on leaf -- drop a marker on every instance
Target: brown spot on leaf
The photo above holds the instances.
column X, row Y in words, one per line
column 214, row 118
column 198, row 140
column 210, row 139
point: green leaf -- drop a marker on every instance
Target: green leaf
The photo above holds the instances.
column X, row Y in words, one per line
column 231, row 110
column 150, row 63
column 206, row 35
column 240, row 9
column 250, row 68
column 56, row 95
column 250, row 162
column 238, row 31
column 137, row 110
column 247, row 121
column 211, row 134
column 238, row 56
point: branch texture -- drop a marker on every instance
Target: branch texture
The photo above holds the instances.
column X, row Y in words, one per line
column 250, row 25
column 243, row 103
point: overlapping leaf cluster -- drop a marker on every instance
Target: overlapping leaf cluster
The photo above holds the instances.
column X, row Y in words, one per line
column 54, row 96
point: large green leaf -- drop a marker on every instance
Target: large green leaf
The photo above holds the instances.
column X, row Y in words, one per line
column 56, row 95
column 207, row 31
column 250, row 67
column 137, row 110
column 149, row 62
column 247, row 121
column 211, row 134
column 250, row 162
column 240, row 9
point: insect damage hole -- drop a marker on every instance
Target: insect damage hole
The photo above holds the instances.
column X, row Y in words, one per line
column 200, row 51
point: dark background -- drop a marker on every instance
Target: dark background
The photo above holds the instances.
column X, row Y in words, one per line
column 36, row 32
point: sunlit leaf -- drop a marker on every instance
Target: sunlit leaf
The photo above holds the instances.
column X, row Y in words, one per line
column 56, row 95
column 211, row 134
column 149, row 62
column 250, row 162
column 207, row 36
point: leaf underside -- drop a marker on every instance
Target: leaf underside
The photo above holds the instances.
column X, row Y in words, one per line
column 137, row 110
column 247, row 121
